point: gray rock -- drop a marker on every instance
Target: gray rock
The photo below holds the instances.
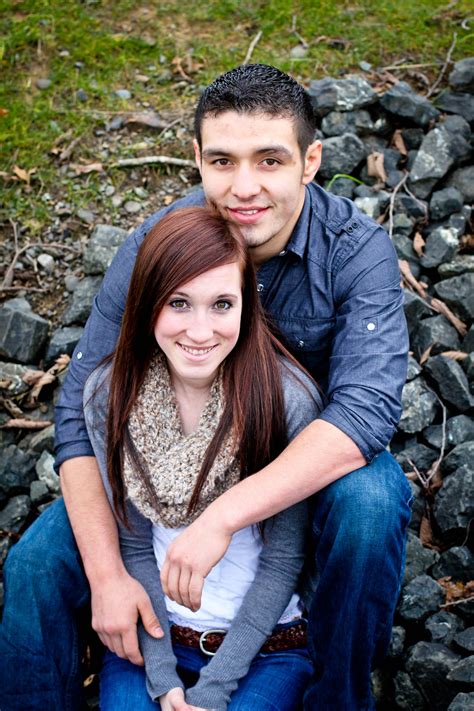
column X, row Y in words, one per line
column 403, row 224
column 468, row 366
column 443, row 626
column 463, row 180
column 80, row 306
column 81, row 95
column 458, row 293
column 459, row 265
column 439, row 152
column 337, row 123
column 415, row 309
column 342, row 187
column 465, row 640
column 406, row 694
column 86, row 215
column 41, row 440
column 43, row 83
column 13, row 374
column 298, row 52
column 46, row 473
column 444, row 202
column 132, row 206
column 123, row 94
column 22, row 332
column 453, row 102
column 419, row 597
column 441, row 246
column 462, row 75
column 458, row 125
column 417, row 507
column 436, row 332
column 404, row 247
column 456, row 562
column 461, row 456
column 102, row 247
column 348, row 94
column 419, row 406
column 420, row 455
column 39, row 492
column 413, row 369
column 428, row 663
column 46, row 262
column 462, row 702
column 413, row 137
column 17, row 471
column 463, row 671
column 63, row 340
column 468, row 342
column 5, row 545
column 15, row 513
column 341, row 154
column 454, row 504
column 397, row 642
column 459, row 429
column 418, row 558
column 71, row 282
column 451, row 381
column 401, row 101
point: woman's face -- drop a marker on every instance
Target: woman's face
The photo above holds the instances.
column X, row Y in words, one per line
column 200, row 324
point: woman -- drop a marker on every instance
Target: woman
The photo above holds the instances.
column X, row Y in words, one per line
column 197, row 396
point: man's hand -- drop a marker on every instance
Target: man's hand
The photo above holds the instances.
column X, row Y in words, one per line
column 174, row 701
column 190, row 558
column 116, row 606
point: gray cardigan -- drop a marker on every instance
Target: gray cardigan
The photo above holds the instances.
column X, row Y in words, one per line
column 279, row 569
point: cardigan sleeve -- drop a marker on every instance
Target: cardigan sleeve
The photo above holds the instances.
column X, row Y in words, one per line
column 280, row 565
column 136, row 547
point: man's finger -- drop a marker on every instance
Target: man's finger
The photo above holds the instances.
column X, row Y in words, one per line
column 195, row 591
column 115, row 645
column 173, row 583
column 131, row 648
column 149, row 619
column 184, row 580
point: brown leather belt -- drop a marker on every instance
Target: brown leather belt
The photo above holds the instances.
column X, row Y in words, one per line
column 209, row 641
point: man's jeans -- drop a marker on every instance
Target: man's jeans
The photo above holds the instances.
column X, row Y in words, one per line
column 265, row 688
column 359, row 528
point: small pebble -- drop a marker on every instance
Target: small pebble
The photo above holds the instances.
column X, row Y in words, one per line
column 86, row 216
column 365, row 66
column 109, row 190
column 298, row 52
column 46, row 262
column 43, row 83
column 132, row 206
column 81, row 95
column 71, row 282
column 117, row 201
column 123, row 94
column 140, row 193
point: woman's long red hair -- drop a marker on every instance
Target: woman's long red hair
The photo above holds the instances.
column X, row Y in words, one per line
column 181, row 246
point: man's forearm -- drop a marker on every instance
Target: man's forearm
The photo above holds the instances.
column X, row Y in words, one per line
column 319, row 455
column 91, row 518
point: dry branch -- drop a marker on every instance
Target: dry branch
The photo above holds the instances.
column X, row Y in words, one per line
column 153, row 160
column 252, row 46
column 433, row 88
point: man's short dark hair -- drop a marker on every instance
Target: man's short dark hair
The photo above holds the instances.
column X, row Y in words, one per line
column 258, row 89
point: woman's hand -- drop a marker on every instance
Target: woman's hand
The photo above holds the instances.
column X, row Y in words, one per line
column 174, row 701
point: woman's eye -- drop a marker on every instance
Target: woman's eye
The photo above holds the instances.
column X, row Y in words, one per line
column 178, row 304
column 222, row 305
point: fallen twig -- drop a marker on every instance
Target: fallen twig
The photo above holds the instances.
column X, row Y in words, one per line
column 8, row 278
column 434, row 469
column 297, row 34
column 433, row 88
column 441, row 308
column 26, row 423
column 456, row 602
column 153, row 160
column 23, row 288
column 392, row 203
column 252, row 46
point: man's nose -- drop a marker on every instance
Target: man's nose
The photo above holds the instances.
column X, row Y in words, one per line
column 245, row 184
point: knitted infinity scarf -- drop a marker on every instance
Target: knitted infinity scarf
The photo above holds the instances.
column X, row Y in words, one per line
column 172, row 460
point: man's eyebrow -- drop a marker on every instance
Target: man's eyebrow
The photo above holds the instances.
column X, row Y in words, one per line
column 223, row 153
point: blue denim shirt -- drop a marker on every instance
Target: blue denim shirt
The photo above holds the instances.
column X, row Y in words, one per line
column 334, row 293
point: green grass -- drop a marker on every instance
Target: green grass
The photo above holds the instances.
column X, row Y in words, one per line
column 114, row 40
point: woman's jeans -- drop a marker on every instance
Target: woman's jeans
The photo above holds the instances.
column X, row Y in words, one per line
column 359, row 529
column 275, row 682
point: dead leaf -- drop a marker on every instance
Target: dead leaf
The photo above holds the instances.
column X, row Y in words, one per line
column 375, row 166
column 88, row 168
column 4, row 384
column 441, row 308
column 24, row 175
column 4, row 112
column 168, row 199
column 467, row 243
column 454, row 355
column 410, row 279
column 177, row 64
column 426, row 354
column 426, row 534
column 26, row 423
column 418, row 244
column 31, row 377
column 456, row 590
column 146, row 118
column 67, row 152
column 12, row 408
column 434, row 478
column 399, row 143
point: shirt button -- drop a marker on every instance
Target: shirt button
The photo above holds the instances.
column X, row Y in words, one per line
column 349, row 229
column 355, row 225
column 79, row 355
column 260, row 287
column 371, row 326
column 300, row 344
column 283, row 252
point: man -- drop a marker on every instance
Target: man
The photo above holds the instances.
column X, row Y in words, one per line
column 328, row 277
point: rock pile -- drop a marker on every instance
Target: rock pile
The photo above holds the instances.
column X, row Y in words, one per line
column 408, row 163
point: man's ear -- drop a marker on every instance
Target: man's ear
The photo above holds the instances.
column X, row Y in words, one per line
column 312, row 161
column 197, row 154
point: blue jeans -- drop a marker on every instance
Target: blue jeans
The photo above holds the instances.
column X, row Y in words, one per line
column 275, row 682
column 359, row 530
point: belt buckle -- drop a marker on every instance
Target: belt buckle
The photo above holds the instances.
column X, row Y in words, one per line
column 202, row 640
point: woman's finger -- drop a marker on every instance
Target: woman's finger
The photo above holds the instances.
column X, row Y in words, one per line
column 196, row 585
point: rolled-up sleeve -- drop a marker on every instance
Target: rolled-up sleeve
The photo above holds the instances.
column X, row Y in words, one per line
column 367, row 367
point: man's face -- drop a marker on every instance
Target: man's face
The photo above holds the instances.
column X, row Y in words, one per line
column 253, row 172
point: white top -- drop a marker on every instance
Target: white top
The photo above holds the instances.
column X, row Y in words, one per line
column 225, row 586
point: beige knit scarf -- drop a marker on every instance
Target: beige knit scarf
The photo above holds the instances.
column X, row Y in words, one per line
column 172, row 460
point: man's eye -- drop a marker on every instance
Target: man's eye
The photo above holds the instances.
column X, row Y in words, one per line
column 178, row 304
column 222, row 161
column 222, row 305
column 270, row 162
